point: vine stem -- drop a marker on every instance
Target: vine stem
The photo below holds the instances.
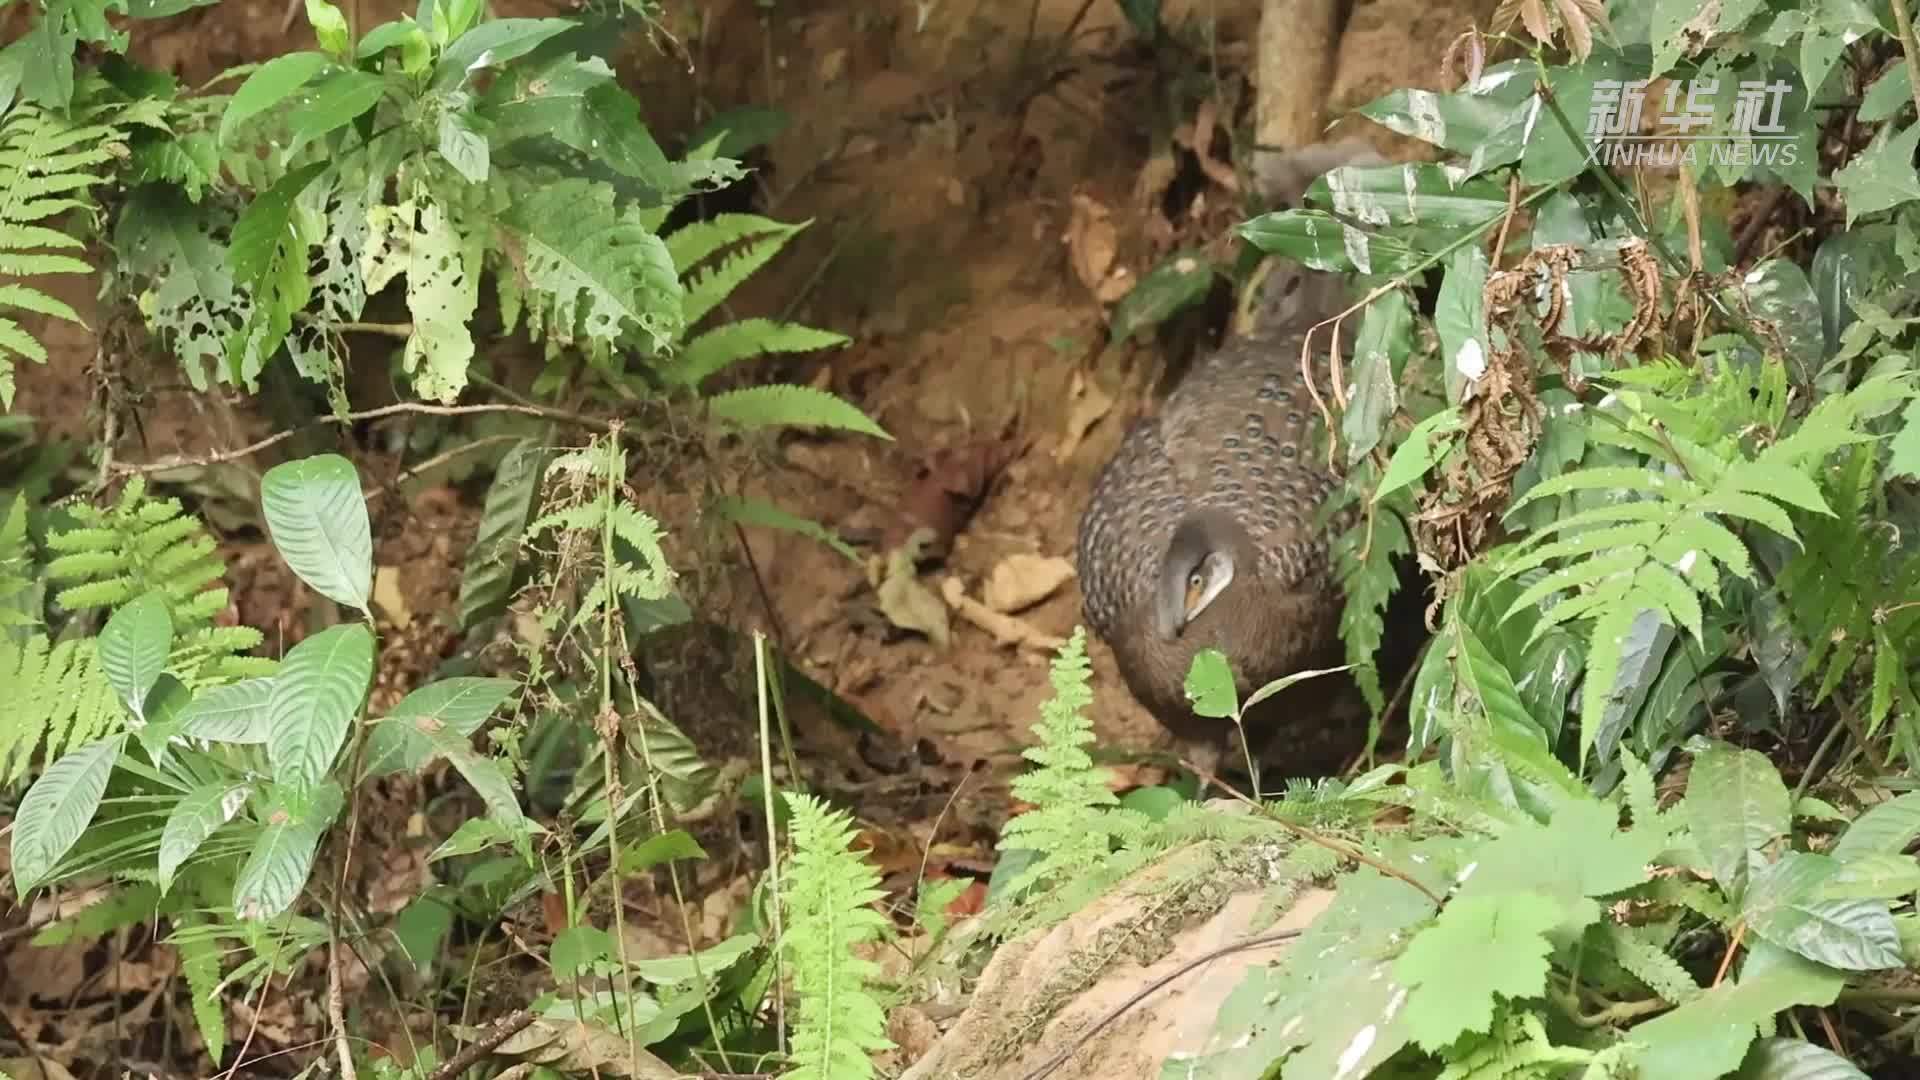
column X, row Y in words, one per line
column 1903, row 21
column 182, row 461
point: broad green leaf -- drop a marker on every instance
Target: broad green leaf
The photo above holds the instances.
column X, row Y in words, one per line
column 133, row 649
column 1181, row 280
column 316, row 699
column 269, row 85
column 1422, row 449
column 193, row 819
column 489, row 780
column 1323, row 242
column 56, row 810
column 282, row 855
column 463, row 148
column 336, row 102
column 491, row 45
column 1882, row 176
column 1421, row 196
column 1884, row 829
column 790, row 406
column 1906, row 445
column 601, row 272
column 1778, row 290
column 1890, row 93
column 1873, row 875
column 1707, row 1038
column 234, row 713
column 1461, row 323
column 1782, row 906
column 671, row 846
column 404, row 739
column 580, row 104
column 265, row 225
column 473, row 836
column 1736, row 805
column 1793, row 1059
column 318, row 522
column 1486, row 121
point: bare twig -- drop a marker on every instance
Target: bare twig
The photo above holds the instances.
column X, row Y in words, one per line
column 503, row 1029
column 181, row 461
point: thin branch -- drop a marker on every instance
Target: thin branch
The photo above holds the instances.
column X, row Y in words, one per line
column 180, row 461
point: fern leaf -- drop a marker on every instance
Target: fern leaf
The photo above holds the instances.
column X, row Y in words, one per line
column 707, row 288
column 785, row 405
column 756, row 512
column 831, row 891
column 714, row 350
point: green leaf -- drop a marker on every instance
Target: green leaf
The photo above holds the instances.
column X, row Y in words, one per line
column 1488, row 125
column 316, row 698
column 1385, row 338
column 330, row 28
column 1423, row 448
column 1906, row 445
column 1706, row 1038
column 1321, row 241
column 1481, row 949
column 1882, row 176
column 282, row 856
column 491, row 45
column 404, row 740
column 1418, row 195
column 754, row 512
column 318, row 522
column 1210, row 685
column 1285, row 681
column 337, row 102
column 234, row 713
column 1782, row 906
column 1890, row 93
column 580, row 104
column 790, row 406
column 269, row 85
column 193, row 819
column 1460, row 320
column 1873, row 876
column 463, row 148
column 264, row 225
column 741, row 339
column 56, row 810
column 1736, row 806
column 1180, row 281
column 1886, row 828
column 1792, row 1059
column 487, row 778
column 486, row 580
column 133, row 649
column 602, row 272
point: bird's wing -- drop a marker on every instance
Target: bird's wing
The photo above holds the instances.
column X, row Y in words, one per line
column 1137, row 500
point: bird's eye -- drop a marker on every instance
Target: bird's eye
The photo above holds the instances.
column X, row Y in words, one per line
column 1195, row 580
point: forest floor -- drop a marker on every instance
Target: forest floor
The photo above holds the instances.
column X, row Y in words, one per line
column 981, row 188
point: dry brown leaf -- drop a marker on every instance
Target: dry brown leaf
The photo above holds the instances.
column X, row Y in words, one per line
column 1021, row 580
column 1087, row 404
column 907, row 603
column 1092, row 241
column 1006, row 629
column 389, row 597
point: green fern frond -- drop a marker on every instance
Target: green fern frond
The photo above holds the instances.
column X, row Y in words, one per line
column 200, row 963
column 57, row 697
column 830, row 896
column 140, row 545
column 48, row 164
column 694, row 243
column 785, row 405
column 714, row 350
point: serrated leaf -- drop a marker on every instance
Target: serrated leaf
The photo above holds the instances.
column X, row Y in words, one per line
column 716, row 349
column 600, row 271
column 133, row 649
column 1881, row 176
column 282, row 857
column 316, row 698
column 269, row 85
column 318, row 522
column 56, row 810
column 193, row 819
column 1209, row 686
column 1706, row 1038
column 1736, row 805
column 234, row 713
column 1480, row 950
column 784, row 405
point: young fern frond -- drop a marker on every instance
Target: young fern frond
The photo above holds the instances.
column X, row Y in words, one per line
column 830, row 893
column 48, row 162
column 140, row 545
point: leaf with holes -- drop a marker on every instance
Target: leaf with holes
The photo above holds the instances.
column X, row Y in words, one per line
column 318, row 522
column 133, row 649
column 316, row 697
